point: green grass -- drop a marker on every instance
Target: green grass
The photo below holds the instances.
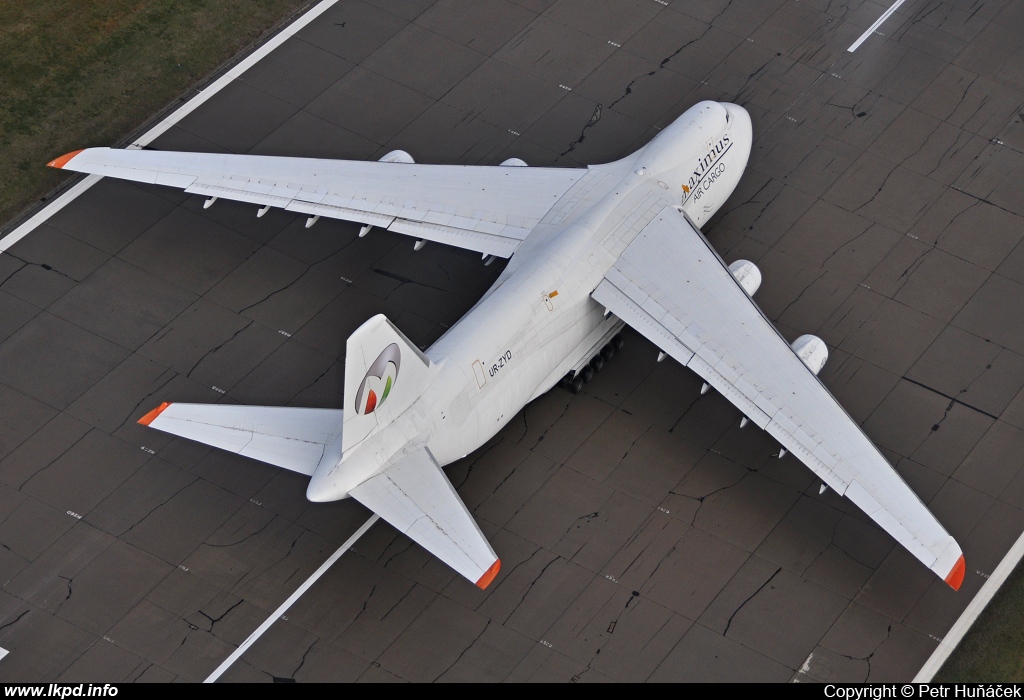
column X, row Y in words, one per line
column 79, row 73
column 993, row 651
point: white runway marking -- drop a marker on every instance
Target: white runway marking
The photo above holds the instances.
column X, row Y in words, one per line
column 3, row 652
column 974, row 608
column 878, row 23
column 179, row 114
column 251, row 639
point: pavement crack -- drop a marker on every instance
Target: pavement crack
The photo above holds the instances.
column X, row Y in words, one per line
column 952, row 221
column 275, row 292
column 951, row 398
column 801, row 294
column 553, row 423
column 982, row 199
column 318, row 378
column 877, row 192
column 702, row 499
column 25, row 263
column 596, row 116
column 532, row 584
column 749, row 598
column 632, row 445
column 160, row 505
column 303, row 661
column 215, row 620
column 247, row 537
column 594, row 119
column 463, row 652
column 213, row 350
column 406, row 280
column 398, row 602
column 19, row 269
column 14, row 621
column 472, row 465
column 53, row 461
column 366, row 603
column 399, row 553
column 145, row 401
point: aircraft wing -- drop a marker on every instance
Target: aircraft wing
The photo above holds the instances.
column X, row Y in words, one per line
column 290, row 438
column 489, row 209
column 415, row 496
column 671, row 286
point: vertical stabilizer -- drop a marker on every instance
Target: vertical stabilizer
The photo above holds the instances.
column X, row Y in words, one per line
column 384, row 374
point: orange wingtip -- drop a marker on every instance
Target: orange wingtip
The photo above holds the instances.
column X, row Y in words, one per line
column 956, row 575
column 489, row 575
column 63, row 160
column 151, row 416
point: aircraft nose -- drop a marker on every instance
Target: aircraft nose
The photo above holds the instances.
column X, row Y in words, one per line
column 739, row 118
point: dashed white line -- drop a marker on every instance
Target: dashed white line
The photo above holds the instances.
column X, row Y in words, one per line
column 279, row 613
column 878, row 23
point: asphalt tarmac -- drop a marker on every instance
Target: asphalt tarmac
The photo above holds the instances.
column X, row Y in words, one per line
column 643, row 535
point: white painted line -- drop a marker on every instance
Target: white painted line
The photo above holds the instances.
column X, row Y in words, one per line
column 878, row 23
column 974, row 609
column 291, row 600
column 179, row 114
column 3, row 652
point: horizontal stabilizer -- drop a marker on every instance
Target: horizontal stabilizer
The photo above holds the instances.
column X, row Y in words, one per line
column 417, row 499
column 290, row 438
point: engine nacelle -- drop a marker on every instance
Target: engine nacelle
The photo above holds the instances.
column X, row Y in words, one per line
column 397, row 157
column 514, row 162
column 812, row 351
column 747, row 274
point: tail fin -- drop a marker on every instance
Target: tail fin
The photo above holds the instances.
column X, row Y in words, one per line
column 384, row 374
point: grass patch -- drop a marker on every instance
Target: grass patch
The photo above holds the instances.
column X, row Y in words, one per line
column 80, row 73
column 993, row 651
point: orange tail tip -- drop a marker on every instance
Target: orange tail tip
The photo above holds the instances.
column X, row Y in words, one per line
column 151, row 416
column 63, row 160
column 956, row 575
column 489, row 575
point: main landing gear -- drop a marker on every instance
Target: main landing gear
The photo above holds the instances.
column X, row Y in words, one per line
column 574, row 381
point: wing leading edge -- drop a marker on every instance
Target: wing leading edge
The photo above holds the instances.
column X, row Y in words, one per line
column 671, row 286
column 488, row 209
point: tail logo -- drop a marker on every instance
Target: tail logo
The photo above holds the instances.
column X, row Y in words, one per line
column 379, row 380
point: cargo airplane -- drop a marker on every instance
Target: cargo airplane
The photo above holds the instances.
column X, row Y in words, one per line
column 592, row 249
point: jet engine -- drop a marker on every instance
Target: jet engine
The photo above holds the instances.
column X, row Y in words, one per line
column 747, row 274
column 812, row 351
column 397, row 157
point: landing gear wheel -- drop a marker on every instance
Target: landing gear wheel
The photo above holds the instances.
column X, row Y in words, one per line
column 608, row 352
column 618, row 342
column 577, row 385
column 597, row 363
column 565, row 382
column 587, row 373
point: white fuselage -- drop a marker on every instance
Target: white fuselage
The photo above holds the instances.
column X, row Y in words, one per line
column 538, row 320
